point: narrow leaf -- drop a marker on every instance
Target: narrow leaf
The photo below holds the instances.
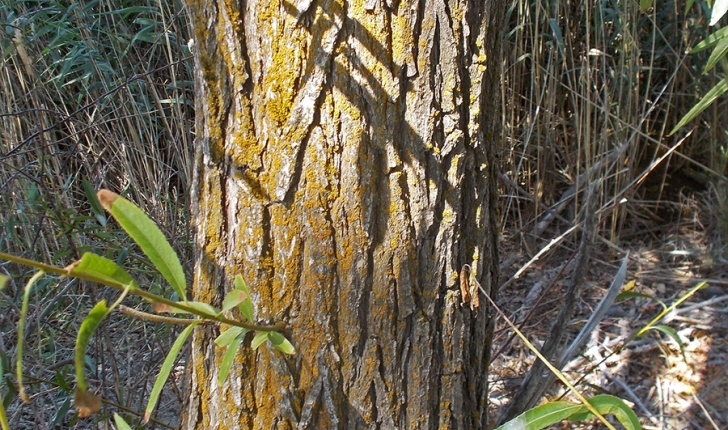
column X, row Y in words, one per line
column 88, row 327
column 233, row 298
column 674, row 335
column 711, row 40
column 120, row 422
column 4, row 423
column 101, row 268
column 611, row 405
column 281, row 343
column 96, row 208
column 229, row 335
column 227, row 360
column 166, row 369
column 60, row 414
column 554, row 24
column 84, row 401
column 246, row 306
column 542, row 416
column 688, row 5
column 631, row 294
column 259, row 339
column 3, row 281
column 149, row 238
column 666, row 310
column 703, row 104
column 21, row 335
column 718, row 53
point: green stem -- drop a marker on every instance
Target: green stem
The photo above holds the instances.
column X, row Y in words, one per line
column 144, row 294
column 21, row 336
column 153, row 317
column 4, row 418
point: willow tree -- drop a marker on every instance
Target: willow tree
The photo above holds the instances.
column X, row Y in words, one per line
column 346, row 159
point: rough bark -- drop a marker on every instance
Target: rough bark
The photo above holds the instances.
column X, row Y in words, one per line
column 346, row 167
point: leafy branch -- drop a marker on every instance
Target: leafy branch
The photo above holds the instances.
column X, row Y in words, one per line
column 94, row 268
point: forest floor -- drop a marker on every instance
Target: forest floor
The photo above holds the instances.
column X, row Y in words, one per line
column 672, row 248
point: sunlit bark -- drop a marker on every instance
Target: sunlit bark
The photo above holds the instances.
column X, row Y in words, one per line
column 345, row 166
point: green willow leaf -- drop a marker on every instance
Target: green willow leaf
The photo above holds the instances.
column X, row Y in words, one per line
column 166, row 369
column 86, row 402
column 96, row 208
column 203, row 307
column 710, row 41
column 149, row 238
column 554, row 412
column 21, row 335
column 229, row 335
column 227, row 360
column 718, row 53
column 281, row 343
column 101, row 268
column 88, row 327
column 258, row 340
column 246, row 306
column 631, row 294
column 233, row 298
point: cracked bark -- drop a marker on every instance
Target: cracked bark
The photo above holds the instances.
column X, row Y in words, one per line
column 346, row 156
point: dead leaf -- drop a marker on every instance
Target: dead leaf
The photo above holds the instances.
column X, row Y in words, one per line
column 86, row 403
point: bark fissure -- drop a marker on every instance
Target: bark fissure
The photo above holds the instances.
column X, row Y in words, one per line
column 347, row 183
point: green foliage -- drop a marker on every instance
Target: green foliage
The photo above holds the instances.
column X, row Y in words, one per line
column 150, row 239
column 94, row 92
column 246, row 306
column 86, row 402
column 121, row 424
column 167, row 368
column 3, row 416
column 554, row 412
column 719, row 42
column 230, row 352
column 21, row 334
column 108, row 272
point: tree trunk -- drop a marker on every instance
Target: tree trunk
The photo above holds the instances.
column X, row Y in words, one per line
column 346, row 161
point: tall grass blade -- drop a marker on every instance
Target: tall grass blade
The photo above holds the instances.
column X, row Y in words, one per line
column 715, row 92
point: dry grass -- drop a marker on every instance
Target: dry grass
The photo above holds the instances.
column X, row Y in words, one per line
column 99, row 91
column 591, row 92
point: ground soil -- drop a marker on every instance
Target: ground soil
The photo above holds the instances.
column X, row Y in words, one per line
column 673, row 246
